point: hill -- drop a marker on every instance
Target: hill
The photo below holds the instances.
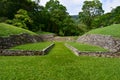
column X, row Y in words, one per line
column 75, row 17
column 113, row 30
column 6, row 30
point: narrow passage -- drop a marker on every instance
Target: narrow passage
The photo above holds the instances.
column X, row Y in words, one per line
column 61, row 50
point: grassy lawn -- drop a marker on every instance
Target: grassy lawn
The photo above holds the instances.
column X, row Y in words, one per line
column 113, row 30
column 6, row 30
column 86, row 47
column 59, row 64
column 32, row 46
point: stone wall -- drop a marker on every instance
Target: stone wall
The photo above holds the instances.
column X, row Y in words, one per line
column 96, row 54
column 63, row 39
column 14, row 40
column 106, row 42
column 47, row 37
column 53, row 37
column 4, row 52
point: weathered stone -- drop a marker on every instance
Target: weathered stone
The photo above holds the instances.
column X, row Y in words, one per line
column 97, row 54
column 14, row 40
column 48, row 37
column 107, row 42
column 5, row 52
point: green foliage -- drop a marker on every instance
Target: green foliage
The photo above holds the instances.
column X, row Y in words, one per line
column 113, row 30
column 86, row 47
column 6, row 30
column 3, row 19
column 21, row 19
column 42, row 32
column 91, row 9
column 32, row 46
column 82, row 28
column 30, row 15
column 59, row 21
column 59, row 64
column 9, row 7
column 115, row 13
column 107, row 19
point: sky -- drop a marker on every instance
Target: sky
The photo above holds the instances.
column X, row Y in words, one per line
column 74, row 6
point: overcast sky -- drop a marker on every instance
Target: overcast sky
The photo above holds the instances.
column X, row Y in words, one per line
column 74, row 6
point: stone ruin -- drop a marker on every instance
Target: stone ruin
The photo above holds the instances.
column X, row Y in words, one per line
column 107, row 42
column 14, row 40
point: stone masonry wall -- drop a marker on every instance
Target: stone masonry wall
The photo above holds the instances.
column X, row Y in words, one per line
column 97, row 54
column 14, row 40
column 5, row 52
column 106, row 42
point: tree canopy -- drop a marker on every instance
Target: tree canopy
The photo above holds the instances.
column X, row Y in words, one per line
column 53, row 17
column 91, row 9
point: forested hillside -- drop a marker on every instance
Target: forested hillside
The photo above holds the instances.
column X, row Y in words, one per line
column 53, row 17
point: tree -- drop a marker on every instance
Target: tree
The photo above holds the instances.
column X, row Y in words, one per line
column 57, row 14
column 91, row 9
column 115, row 13
column 22, row 19
column 8, row 8
column 57, row 18
column 107, row 19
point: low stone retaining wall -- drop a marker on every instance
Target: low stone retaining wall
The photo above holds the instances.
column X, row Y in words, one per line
column 63, row 39
column 98, row 54
column 75, row 51
column 4, row 52
column 14, row 40
column 107, row 42
column 47, row 37
column 46, row 50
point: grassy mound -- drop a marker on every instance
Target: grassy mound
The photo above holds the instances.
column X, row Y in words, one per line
column 6, row 30
column 32, row 46
column 86, row 47
column 113, row 30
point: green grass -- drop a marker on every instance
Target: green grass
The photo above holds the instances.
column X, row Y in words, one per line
column 59, row 64
column 86, row 47
column 32, row 46
column 113, row 30
column 6, row 30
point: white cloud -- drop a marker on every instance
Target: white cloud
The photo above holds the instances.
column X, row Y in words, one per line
column 108, row 5
column 43, row 2
column 74, row 6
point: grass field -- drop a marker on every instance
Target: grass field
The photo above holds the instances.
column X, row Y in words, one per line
column 86, row 47
column 32, row 46
column 113, row 30
column 59, row 64
column 6, row 30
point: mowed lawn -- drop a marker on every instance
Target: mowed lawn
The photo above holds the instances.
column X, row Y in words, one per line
column 112, row 30
column 86, row 47
column 32, row 46
column 7, row 29
column 59, row 64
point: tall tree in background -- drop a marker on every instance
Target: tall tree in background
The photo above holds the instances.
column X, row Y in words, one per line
column 57, row 17
column 8, row 8
column 107, row 19
column 21, row 19
column 115, row 13
column 57, row 14
column 91, row 9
